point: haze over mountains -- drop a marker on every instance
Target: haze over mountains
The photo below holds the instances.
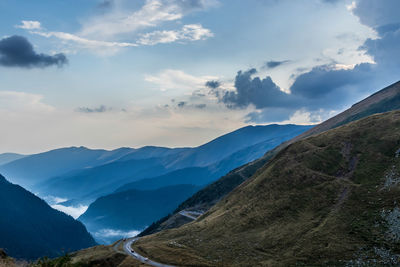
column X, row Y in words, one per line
column 72, row 178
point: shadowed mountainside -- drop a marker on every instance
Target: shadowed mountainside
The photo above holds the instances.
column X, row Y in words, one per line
column 134, row 209
column 29, row 228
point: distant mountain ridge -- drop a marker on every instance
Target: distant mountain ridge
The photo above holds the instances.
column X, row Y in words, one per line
column 9, row 157
column 35, row 168
column 100, row 180
column 29, row 228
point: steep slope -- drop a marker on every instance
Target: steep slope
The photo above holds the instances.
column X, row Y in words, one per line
column 29, row 228
column 327, row 199
column 8, row 157
column 387, row 99
column 134, row 209
column 39, row 167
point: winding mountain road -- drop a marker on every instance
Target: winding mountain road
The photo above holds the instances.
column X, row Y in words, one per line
column 127, row 243
column 127, row 247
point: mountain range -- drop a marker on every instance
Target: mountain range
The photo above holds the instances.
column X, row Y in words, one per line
column 328, row 196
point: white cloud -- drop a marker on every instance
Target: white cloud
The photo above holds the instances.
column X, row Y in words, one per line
column 304, row 117
column 153, row 13
column 351, row 6
column 177, row 79
column 83, row 41
column 52, row 200
column 191, row 32
column 122, row 23
column 29, row 25
column 119, row 22
column 74, row 211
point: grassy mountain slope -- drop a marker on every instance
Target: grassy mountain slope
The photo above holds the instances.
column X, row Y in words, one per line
column 327, row 199
column 29, row 228
column 387, row 99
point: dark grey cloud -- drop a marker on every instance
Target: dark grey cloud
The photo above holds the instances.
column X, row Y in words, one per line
column 16, row 51
column 261, row 93
column 324, row 80
column 377, row 13
column 386, row 49
column 181, row 104
column 383, row 17
column 213, row 84
column 323, row 87
column 273, row 64
column 100, row 109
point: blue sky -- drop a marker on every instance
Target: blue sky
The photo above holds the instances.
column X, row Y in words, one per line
column 112, row 73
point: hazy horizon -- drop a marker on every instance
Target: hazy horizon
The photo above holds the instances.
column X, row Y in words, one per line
column 177, row 73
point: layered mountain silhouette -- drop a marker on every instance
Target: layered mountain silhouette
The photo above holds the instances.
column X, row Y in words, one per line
column 233, row 149
column 29, row 228
column 36, row 168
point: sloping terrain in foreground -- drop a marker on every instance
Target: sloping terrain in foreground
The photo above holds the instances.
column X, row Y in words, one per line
column 387, row 99
column 327, row 199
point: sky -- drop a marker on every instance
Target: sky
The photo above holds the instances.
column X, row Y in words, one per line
column 130, row 73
